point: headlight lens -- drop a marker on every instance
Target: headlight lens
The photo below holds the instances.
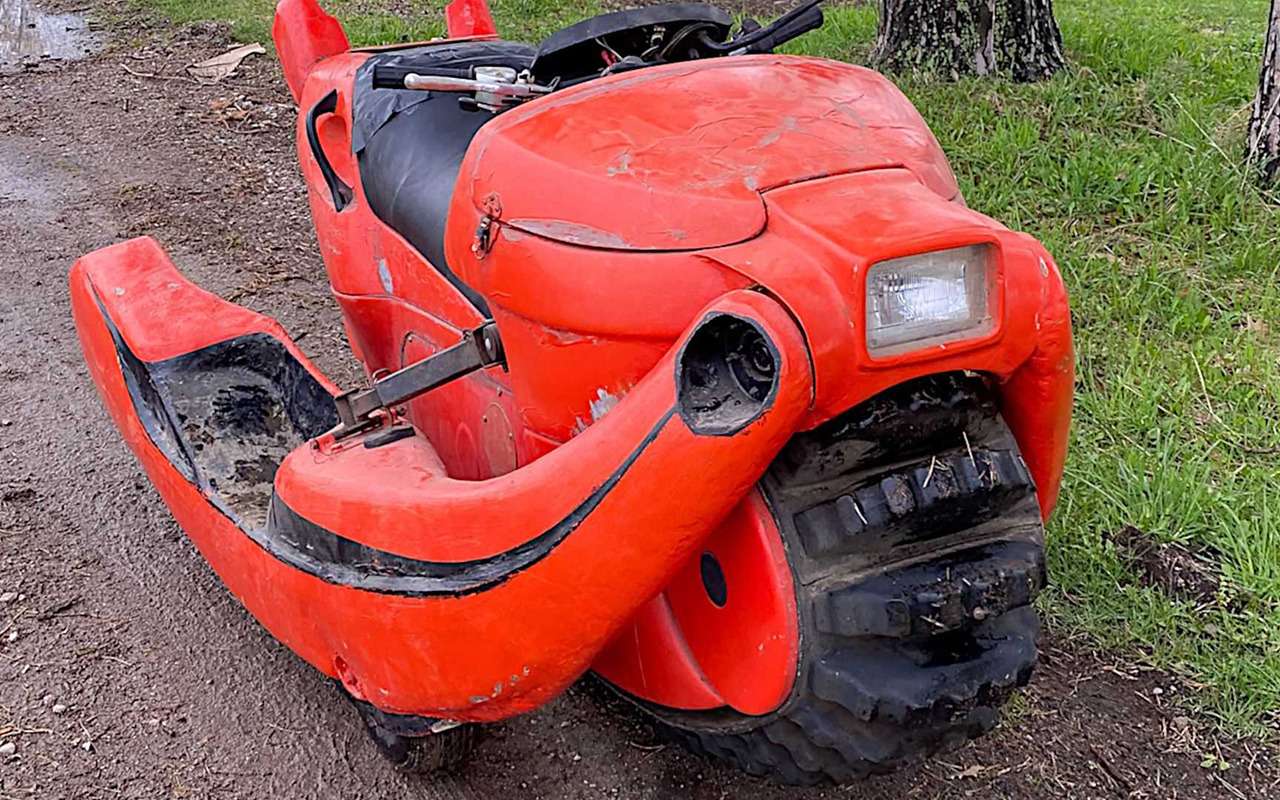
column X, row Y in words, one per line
column 929, row 299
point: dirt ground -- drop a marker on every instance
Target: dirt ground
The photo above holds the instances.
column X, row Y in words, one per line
column 125, row 668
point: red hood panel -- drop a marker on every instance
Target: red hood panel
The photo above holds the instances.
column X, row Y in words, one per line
column 675, row 157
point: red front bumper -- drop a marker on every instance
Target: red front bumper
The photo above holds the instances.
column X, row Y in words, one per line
column 465, row 600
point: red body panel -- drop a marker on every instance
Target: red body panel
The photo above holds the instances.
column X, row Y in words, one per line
column 675, row 650
column 304, row 35
column 689, row 148
column 532, row 633
column 676, row 157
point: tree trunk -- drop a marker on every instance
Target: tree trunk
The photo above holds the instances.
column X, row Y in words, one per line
column 1018, row 38
column 1264, row 122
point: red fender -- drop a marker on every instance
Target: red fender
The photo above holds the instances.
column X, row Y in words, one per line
column 305, row 34
column 426, row 595
column 1036, row 399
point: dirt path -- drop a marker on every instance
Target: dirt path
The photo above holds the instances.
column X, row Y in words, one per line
column 134, row 674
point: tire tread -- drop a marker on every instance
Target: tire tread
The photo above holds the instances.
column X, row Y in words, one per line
column 913, row 530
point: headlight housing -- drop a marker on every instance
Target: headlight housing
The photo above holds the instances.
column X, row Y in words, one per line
column 929, row 299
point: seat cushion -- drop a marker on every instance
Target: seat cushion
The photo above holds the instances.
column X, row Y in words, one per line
column 410, row 144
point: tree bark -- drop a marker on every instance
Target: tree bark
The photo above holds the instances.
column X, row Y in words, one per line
column 1017, row 38
column 1264, row 123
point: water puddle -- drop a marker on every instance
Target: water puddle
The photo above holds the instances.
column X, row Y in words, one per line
column 28, row 35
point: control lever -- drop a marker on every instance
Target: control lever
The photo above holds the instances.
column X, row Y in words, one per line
column 493, row 88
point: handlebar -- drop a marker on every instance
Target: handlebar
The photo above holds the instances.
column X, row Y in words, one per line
column 391, row 76
column 490, row 88
column 495, row 88
column 443, row 83
column 794, row 23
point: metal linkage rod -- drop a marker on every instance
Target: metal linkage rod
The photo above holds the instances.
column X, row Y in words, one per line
column 479, row 348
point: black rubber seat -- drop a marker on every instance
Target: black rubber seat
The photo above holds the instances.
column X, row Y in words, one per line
column 410, row 144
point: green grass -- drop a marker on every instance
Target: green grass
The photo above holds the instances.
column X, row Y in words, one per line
column 1127, row 167
column 368, row 22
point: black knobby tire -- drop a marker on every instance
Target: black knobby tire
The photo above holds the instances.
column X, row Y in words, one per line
column 437, row 753
column 914, row 536
column 411, row 745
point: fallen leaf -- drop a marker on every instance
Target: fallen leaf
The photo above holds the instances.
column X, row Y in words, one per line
column 215, row 69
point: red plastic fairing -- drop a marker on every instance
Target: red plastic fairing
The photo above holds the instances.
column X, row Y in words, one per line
column 160, row 312
column 362, row 254
column 808, row 260
column 688, row 150
column 1037, row 397
column 417, row 608
column 305, row 35
column 683, row 650
column 466, row 18
column 585, row 323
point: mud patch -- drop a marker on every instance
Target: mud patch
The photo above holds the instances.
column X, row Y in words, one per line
column 28, row 36
column 26, row 495
column 241, row 406
column 1172, row 568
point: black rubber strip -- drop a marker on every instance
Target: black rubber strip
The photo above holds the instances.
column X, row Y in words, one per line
column 389, row 436
column 303, row 544
column 149, row 404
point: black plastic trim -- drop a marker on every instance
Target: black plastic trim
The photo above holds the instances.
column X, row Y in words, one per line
column 340, row 191
column 296, row 541
column 303, row 544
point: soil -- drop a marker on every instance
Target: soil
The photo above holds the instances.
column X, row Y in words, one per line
column 134, row 674
column 1171, row 567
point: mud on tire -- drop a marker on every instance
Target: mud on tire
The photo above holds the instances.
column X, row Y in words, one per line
column 913, row 531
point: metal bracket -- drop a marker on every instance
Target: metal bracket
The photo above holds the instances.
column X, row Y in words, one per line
column 479, row 348
column 485, row 233
column 484, row 238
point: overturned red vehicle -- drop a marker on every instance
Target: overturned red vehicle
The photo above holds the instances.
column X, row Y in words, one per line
column 687, row 364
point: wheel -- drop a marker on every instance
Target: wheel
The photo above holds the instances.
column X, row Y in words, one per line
column 915, row 541
column 426, row 755
column 417, row 745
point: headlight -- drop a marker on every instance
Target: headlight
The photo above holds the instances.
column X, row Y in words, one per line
column 928, row 299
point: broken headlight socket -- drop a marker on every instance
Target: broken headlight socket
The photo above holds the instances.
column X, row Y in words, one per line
column 726, row 375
